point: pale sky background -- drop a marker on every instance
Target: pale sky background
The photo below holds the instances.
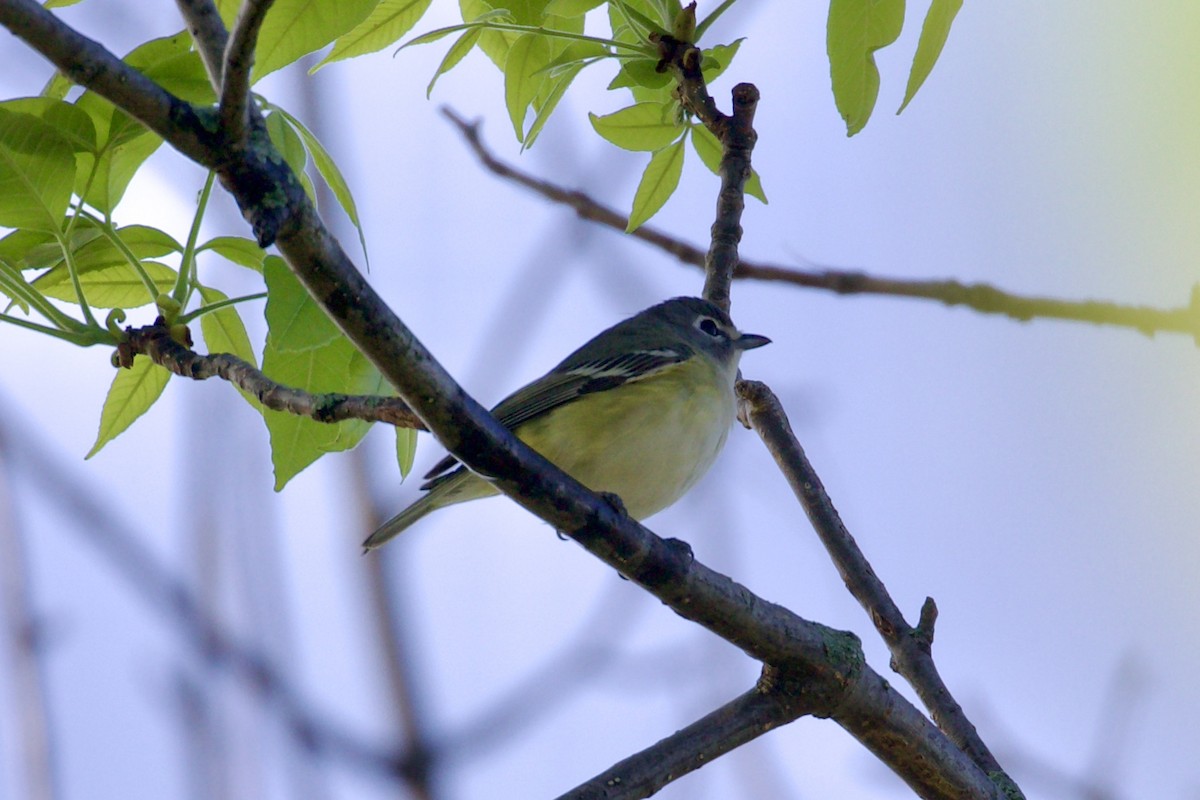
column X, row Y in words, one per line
column 1037, row 479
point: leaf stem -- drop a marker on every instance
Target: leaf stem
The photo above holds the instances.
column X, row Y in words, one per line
column 211, row 307
column 186, row 281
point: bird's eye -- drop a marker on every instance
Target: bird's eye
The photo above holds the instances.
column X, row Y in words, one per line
column 709, row 326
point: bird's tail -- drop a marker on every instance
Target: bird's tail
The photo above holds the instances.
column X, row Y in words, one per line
column 458, row 486
column 399, row 523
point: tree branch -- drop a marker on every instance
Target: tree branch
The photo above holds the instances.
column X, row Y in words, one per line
column 736, row 134
column 739, row 721
column 208, row 32
column 830, row 662
column 155, row 342
column 90, row 65
column 911, row 648
column 980, row 297
column 234, row 106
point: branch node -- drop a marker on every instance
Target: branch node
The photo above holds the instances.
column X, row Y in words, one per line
column 923, row 633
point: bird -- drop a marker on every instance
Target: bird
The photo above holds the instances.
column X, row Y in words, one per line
column 639, row 411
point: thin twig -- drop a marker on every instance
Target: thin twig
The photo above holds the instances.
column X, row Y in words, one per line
column 910, row 647
column 208, row 32
column 980, row 297
column 155, row 342
column 234, row 106
column 736, row 134
column 741, row 720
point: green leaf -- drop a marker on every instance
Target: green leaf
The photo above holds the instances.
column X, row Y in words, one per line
column 113, row 286
column 224, row 333
column 287, row 141
column 305, row 350
column 229, row 11
column 636, row 17
column 390, row 20
column 295, row 28
column 571, row 8
column 717, row 59
column 295, row 323
column 69, row 121
column 37, row 170
column 657, row 185
column 49, row 254
column 93, row 250
column 330, row 173
column 142, row 240
column 545, row 109
column 183, row 75
column 238, row 249
column 934, row 31
column 118, row 165
column 642, row 72
column 523, row 77
column 13, row 286
column 122, row 143
column 132, row 393
column 457, row 52
column 709, row 150
column 171, row 63
column 495, row 44
column 406, row 449
column 855, row 30
column 640, row 127
column 16, row 247
column 60, row 3
column 57, row 87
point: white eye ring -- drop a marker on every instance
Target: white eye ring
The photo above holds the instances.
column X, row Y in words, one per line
column 711, row 327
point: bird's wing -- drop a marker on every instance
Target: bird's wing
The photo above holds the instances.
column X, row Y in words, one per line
column 572, row 379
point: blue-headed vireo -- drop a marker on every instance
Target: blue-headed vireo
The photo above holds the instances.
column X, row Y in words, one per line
column 640, row 411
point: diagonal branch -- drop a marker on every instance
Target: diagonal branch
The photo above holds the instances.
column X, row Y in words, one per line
column 830, row 661
column 208, row 32
column 911, row 648
column 980, row 297
column 89, row 64
column 155, row 342
column 234, row 107
column 743, row 719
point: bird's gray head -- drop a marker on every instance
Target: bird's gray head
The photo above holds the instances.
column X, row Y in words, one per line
column 705, row 326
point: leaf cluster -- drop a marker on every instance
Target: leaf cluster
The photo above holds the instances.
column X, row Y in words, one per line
column 65, row 166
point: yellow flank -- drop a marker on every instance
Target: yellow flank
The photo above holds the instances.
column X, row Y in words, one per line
column 640, row 442
column 662, row 407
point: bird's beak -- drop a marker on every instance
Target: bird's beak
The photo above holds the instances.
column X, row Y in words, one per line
column 749, row 341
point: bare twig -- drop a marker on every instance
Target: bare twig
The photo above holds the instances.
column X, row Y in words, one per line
column 208, row 32
column 155, row 342
column 910, row 647
column 981, row 297
column 831, row 661
column 239, row 61
column 741, row 720
column 736, row 134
